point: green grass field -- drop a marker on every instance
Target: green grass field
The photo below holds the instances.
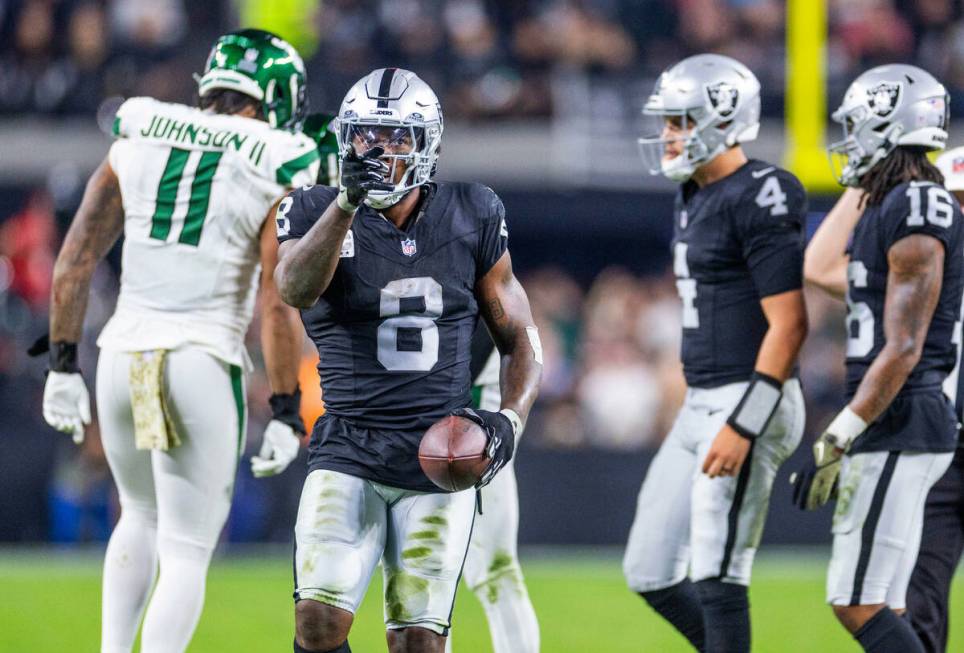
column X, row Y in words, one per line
column 51, row 603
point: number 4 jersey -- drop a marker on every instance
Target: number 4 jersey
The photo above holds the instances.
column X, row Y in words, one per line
column 394, row 327
column 735, row 242
column 197, row 187
column 919, row 419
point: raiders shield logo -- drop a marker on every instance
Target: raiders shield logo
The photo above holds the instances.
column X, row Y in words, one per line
column 723, row 98
column 883, row 98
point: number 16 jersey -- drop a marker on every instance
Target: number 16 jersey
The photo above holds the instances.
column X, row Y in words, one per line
column 910, row 208
column 394, row 327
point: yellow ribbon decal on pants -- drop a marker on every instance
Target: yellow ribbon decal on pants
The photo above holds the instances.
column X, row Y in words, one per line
column 153, row 427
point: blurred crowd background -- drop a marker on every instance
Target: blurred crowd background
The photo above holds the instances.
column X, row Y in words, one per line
column 487, row 58
column 607, row 309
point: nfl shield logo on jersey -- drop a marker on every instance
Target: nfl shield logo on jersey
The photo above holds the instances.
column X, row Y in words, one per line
column 883, row 98
column 408, row 247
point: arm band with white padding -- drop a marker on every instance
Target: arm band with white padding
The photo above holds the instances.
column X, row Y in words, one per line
column 845, row 428
column 514, row 419
column 759, row 403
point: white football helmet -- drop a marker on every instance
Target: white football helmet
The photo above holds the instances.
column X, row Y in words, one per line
column 717, row 101
column 393, row 108
column 885, row 107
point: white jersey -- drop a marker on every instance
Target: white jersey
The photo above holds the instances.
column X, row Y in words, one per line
column 196, row 188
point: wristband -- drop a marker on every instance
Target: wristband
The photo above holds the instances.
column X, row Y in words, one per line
column 514, row 419
column 286, row 408
column 757, row 406
column 845, row 428
column 344, row 204
column 63, row 357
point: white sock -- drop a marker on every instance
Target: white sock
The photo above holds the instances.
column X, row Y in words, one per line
column 512, row 620
column 129, row 568
column 176, row 604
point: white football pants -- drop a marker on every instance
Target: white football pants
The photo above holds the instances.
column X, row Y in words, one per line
column 688, row 522
column 877, row 525
column 346, row 524
column 173, row 503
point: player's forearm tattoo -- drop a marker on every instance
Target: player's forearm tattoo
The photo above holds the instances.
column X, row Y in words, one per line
column 913, row 290
column 308, row 264
column 96, row 227
column 506, row 312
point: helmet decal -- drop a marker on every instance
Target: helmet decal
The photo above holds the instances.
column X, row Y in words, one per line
column 884, row 98
column 723, row 97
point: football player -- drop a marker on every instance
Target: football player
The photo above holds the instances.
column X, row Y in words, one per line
column 942, row 540
column 492, row 568
column 902, row 276
column 190, row 189
column 392, row 271
column 737, row 256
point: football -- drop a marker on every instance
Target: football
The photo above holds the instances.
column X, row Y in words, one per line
column 452, row 453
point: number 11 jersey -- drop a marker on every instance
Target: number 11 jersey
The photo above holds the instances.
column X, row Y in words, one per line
column 197, row 187
column 394, row 327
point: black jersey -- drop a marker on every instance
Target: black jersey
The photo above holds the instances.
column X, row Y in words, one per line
column 735, row 242
column 911, row 208
column 394, row 327
column 954, row 384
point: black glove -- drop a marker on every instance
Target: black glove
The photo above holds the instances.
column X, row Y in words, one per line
column 501, row 444
column 286, row 408
column 361, row 174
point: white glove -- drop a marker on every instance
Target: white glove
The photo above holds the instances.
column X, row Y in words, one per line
column 279, row 447
column 66, row 405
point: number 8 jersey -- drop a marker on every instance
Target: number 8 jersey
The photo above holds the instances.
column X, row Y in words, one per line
column 196, row 187
column 735, row 242
column 910, row 208
column 394, row 327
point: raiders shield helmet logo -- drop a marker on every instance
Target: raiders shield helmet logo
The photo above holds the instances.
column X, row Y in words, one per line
column 883, row 98
column 723, row 97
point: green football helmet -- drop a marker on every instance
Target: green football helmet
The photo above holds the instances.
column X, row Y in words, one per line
column 321, row 129
column 264, row 66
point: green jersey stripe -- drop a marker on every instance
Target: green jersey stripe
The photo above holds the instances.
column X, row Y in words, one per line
column 200, row 198
column 167, row 193
column 240, row 402
column 287, row 171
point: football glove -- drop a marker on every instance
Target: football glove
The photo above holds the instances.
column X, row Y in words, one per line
column 282, row 437
column 501, row 433
column 279, row 446
column 359, row 175
column 66, row 403
column 814, row 485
